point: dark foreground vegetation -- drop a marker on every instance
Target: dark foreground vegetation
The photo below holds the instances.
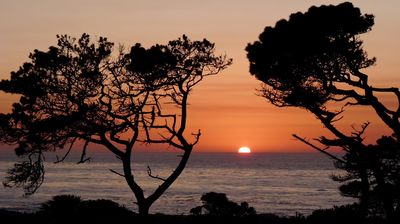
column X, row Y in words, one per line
column 334, row 215
column 72, row 209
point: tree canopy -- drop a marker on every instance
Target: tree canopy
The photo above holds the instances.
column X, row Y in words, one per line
column 78, row 91
column 302, row 58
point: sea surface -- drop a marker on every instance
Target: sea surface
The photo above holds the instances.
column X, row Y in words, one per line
column 281, row 183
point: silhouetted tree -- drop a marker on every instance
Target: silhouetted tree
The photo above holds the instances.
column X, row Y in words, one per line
column 218, row 204
column 76, row 92
column 314, row 61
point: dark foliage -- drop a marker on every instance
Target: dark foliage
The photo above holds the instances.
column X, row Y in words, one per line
column 102, row 206
column 217, row 204
column 61, row 205
column 351, row 213
column 72, row 209
column 345, row 213
column 314, row 60
column 74, row 206
column 300, row 58
column 328, row 216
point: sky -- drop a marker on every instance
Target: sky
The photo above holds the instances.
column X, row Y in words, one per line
column 225, row 107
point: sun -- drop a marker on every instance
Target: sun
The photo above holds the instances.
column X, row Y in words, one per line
column 244, row 149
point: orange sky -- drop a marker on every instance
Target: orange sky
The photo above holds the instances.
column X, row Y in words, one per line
column 224, row 107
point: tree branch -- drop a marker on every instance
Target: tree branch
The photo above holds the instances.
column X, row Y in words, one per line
column 149, row 172
column 119, row 174
column 83, row 158
column 323, row 151
column 67, row 153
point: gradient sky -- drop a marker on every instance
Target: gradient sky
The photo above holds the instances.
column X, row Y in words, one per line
column 224, row 107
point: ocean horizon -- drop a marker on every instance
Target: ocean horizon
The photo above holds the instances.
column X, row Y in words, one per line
column 271, row 182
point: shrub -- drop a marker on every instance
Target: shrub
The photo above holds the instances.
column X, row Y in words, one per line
column 218, row 204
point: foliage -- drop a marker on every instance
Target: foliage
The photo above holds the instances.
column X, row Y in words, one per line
column 300, row 59
column 76, row 93
column 61, row 204
column 217, row 204
column 102, row 206
column 314, row 61
column 74, row 206
column 341, row 214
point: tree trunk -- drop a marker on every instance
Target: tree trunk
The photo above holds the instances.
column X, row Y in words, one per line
column 144, row 208
column 384, row 194
column 364, row 198
column 171, row 179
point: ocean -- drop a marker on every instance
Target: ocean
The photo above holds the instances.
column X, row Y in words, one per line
column 281, row 183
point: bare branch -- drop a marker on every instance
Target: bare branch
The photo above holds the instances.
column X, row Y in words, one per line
column 358, row 133
column 83, row 158
column 319, row 149
column 119, row 174
column 149, row 172
column 67, row 153
column 339, row 98
column 197, row 137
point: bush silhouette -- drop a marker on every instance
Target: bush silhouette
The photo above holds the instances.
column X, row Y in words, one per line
column 103, row 207
column 73, row 206
column 345, row 213
column 61, row 204
column 218, row 204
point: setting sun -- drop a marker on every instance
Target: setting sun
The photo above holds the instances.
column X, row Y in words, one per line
column 244, row 149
